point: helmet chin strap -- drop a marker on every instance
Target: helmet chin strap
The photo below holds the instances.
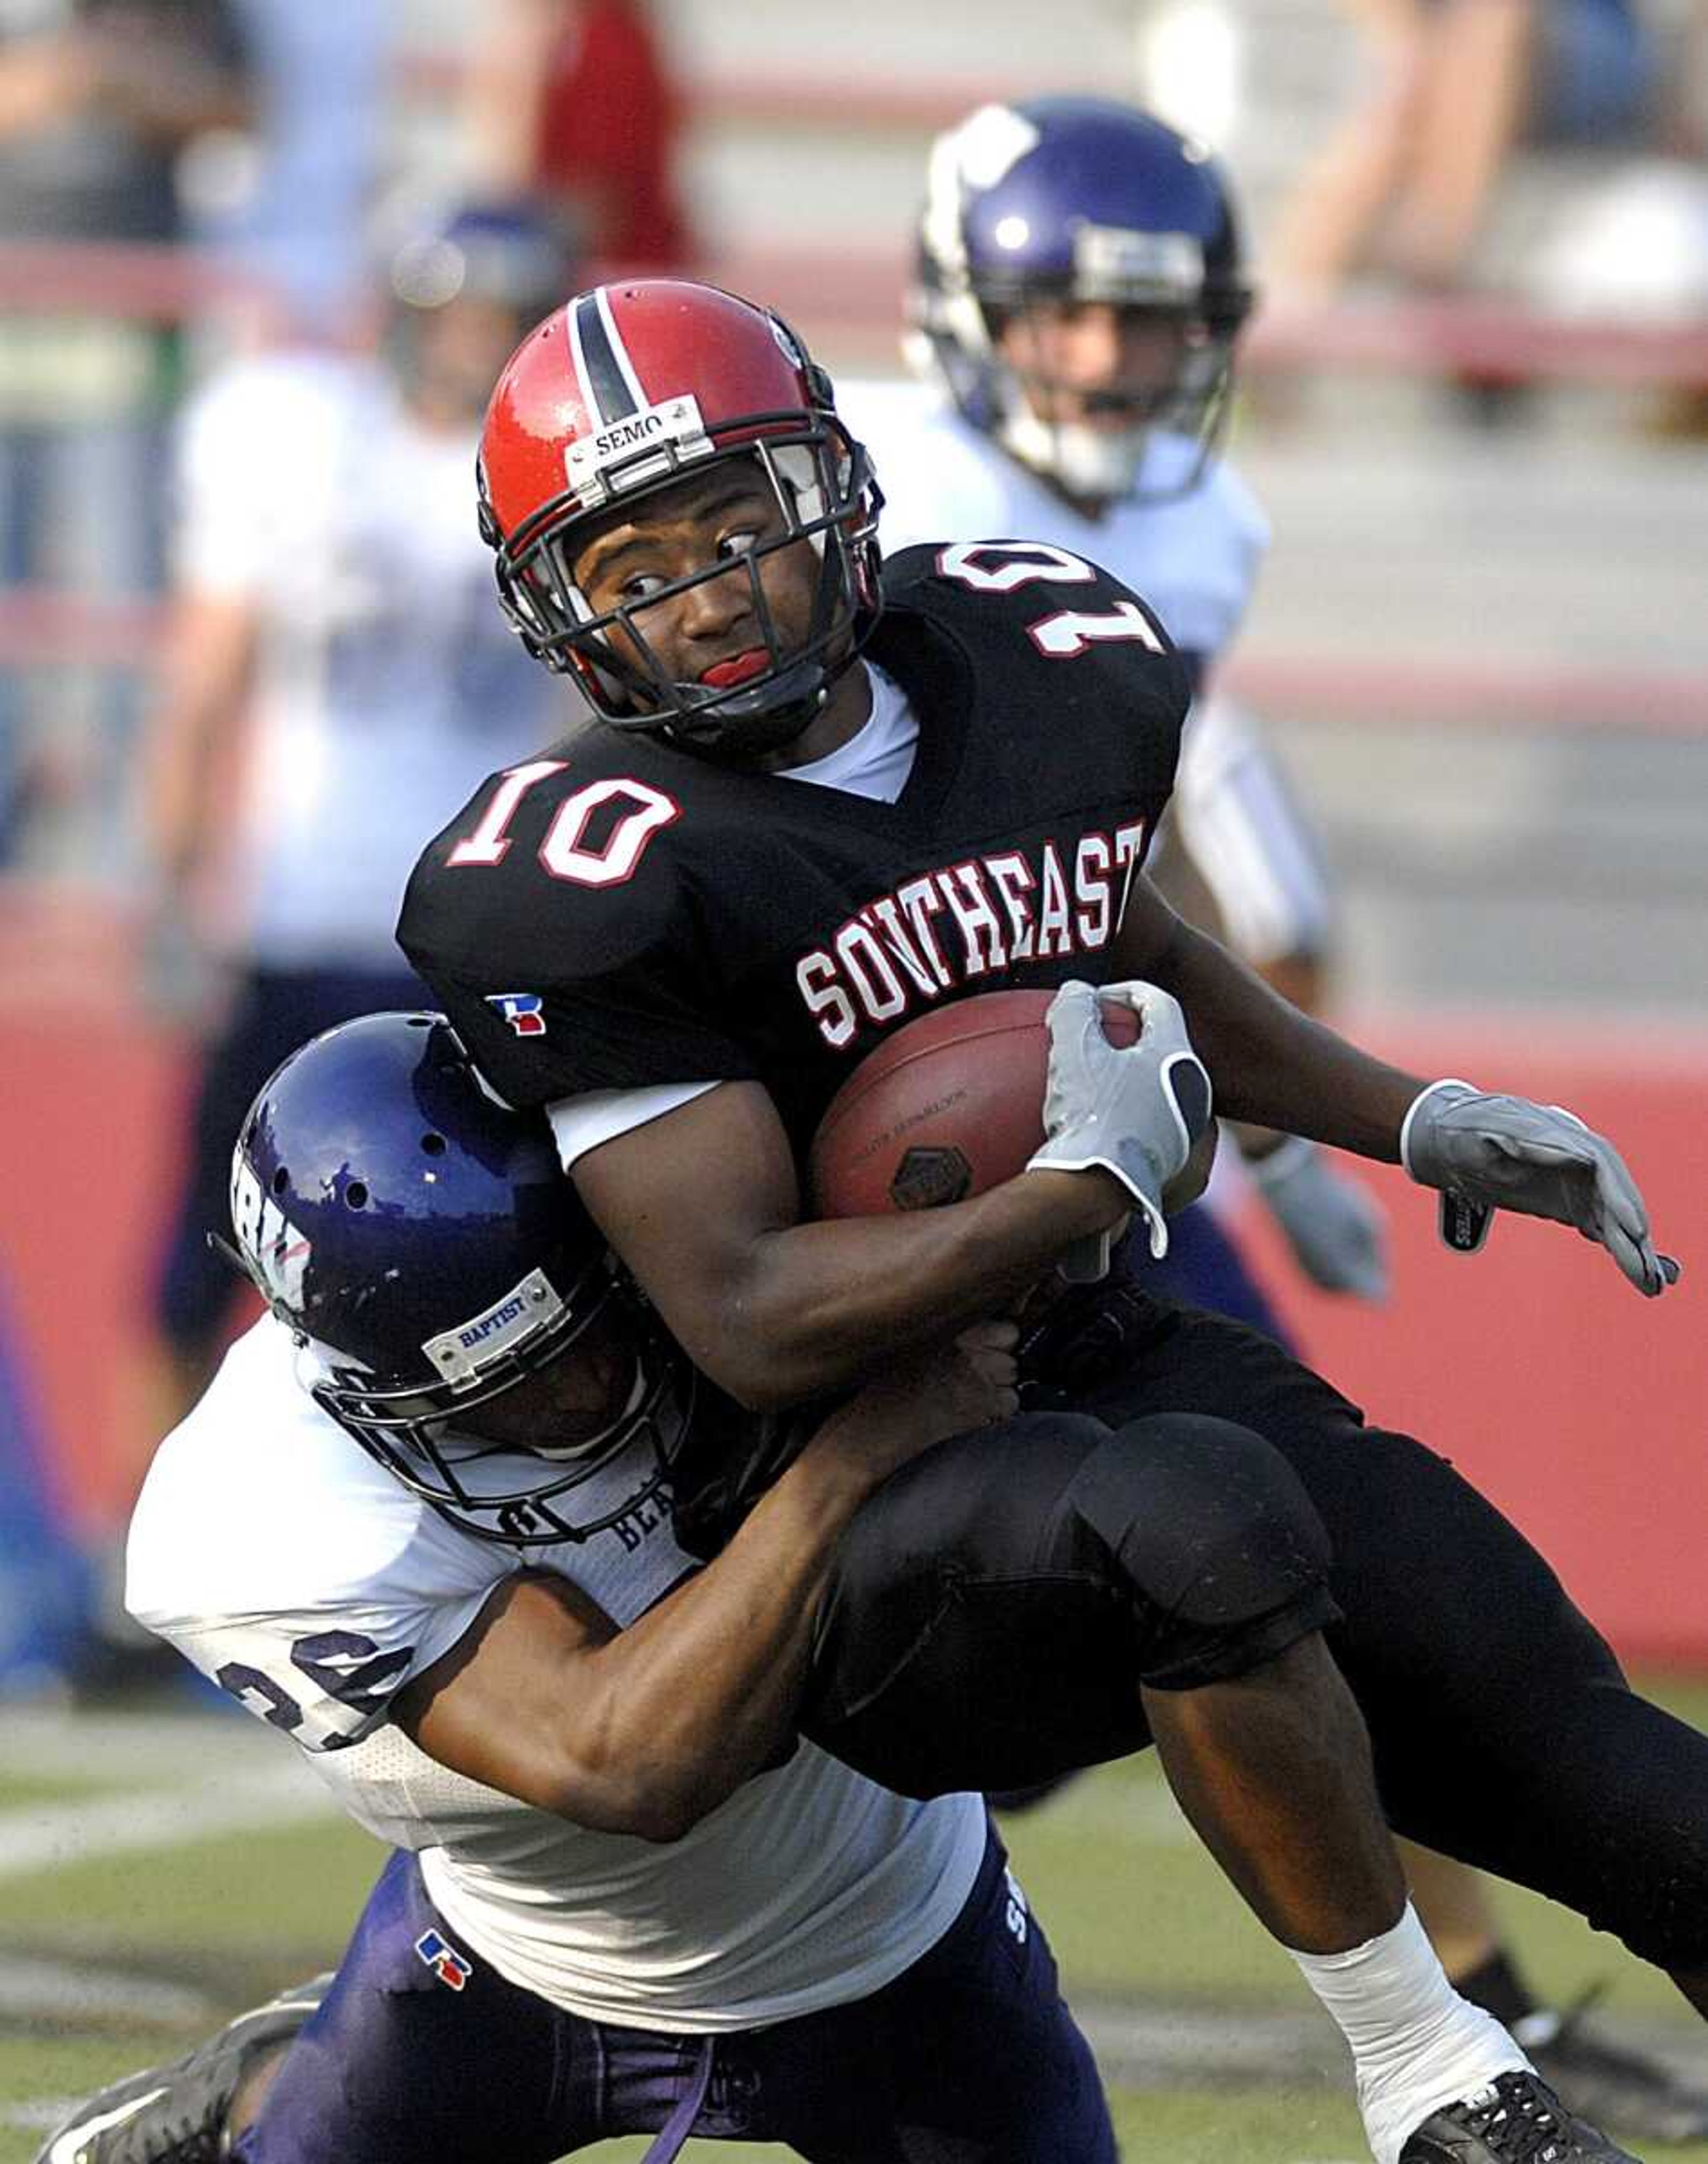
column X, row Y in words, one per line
column 1100, row 464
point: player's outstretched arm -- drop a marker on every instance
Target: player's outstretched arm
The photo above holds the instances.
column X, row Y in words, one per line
column 645, row 1731
column 1337, row 1233
column 1273, row 1065
column 1270, row 1064
column 1485, row 1152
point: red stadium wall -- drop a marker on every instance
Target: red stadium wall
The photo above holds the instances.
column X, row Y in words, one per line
column 1577, row 1405
column 1580, row 1407
column 86, row 1164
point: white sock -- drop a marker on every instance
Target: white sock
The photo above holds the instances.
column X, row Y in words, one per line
column 1416, row 2044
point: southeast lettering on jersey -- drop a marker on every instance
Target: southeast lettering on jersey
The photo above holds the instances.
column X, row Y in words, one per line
column 936, row 934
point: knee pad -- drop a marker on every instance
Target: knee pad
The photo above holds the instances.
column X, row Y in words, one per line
column 1210, row 1528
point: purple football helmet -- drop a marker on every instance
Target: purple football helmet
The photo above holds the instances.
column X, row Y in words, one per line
column 1060, row 204
column 423, row 1244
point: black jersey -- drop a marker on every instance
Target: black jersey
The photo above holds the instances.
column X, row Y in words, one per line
column 620, row 912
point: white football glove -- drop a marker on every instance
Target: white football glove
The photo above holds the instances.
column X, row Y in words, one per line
column 1337, row 1231
column 1488, row 1153
column 1133, row 1109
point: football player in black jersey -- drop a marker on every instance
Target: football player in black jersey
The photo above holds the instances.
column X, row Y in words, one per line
column 817, row 802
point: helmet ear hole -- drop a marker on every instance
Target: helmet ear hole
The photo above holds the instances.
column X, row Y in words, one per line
column 355, row 1194
column 281, row 1178
column 434, row 1144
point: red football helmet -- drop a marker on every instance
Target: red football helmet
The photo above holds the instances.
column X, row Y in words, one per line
column 617, row 396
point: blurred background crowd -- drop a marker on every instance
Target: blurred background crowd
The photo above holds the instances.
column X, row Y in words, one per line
column 259, row 259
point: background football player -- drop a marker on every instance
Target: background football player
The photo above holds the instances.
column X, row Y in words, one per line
column 799, row 819
column 334, row 677
column 1079, row 294
column 1080, row 289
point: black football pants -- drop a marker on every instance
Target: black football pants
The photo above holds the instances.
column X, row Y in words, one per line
column 994, row 1606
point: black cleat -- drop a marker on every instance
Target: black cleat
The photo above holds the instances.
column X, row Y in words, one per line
column 1517, row 2119
column 1626, row 2087
column 176, row 2114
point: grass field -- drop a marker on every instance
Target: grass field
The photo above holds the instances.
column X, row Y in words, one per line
column 156, row 1875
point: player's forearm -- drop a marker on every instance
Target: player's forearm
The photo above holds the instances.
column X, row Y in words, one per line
column 701, row 1694
column 1299, row 979
column 506, row 80
column 1274, row 1066
column 822, row 1307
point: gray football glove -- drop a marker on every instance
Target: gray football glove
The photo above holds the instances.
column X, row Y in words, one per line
column 1134, row 1110
column 1336, row 1232
column 1488, row 1153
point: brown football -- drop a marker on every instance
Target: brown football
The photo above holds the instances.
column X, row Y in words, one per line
column 948, row 1105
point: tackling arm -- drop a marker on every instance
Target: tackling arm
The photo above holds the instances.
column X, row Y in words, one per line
column 645, row 1731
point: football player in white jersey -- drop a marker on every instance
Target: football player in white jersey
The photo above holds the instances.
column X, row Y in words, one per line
column 1080, row 293
column 421, row 1523
column 1079, row 288
column 336, row 677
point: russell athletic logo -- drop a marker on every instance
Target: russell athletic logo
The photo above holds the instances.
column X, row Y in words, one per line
column 446, row 1963
column 521, row 1010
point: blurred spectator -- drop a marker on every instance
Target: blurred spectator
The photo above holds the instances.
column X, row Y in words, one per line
column 1632, row 244
column 318, row 80
column 570, row 102
column 1406, row 187
column 97, row 98
column 338, row 677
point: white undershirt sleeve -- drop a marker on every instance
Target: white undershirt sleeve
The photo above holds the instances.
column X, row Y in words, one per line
column 581, row 1123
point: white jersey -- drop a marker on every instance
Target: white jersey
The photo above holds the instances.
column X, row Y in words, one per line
column 388, row 681
column 306, row 1581
column 1194, row 559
